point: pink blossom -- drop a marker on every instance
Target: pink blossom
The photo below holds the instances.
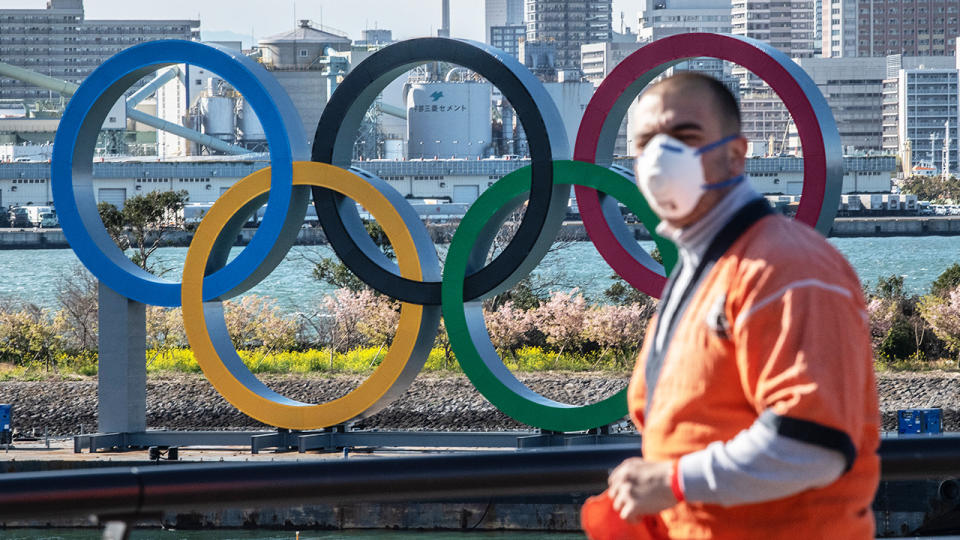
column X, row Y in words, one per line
column 943, row 316
column 619, row 327
column 561, row 318
column 508, row 326
column 882, row 314
column 360, row 318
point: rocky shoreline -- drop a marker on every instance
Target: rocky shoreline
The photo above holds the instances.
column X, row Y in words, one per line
column 433, row 402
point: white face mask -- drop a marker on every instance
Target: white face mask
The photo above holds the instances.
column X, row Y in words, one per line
column 670, row 175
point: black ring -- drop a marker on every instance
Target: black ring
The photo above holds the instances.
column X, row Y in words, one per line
column 545, row 133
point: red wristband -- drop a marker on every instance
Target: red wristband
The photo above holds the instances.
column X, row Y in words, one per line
column 675, row 481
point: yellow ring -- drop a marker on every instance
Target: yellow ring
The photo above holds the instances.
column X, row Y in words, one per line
column 253, row 397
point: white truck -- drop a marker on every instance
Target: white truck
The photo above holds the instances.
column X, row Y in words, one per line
column 33, row 216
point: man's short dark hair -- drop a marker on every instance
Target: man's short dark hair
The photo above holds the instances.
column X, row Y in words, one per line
column 727, row 105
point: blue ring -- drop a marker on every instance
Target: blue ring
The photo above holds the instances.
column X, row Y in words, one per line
column 72, row 164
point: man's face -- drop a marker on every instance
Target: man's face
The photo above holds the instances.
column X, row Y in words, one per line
column 689, row 114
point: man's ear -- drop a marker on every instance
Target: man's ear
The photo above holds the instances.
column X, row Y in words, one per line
column 737, row 154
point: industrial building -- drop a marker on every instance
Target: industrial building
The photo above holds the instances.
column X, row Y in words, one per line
column 60, row 42
column 448, row 120
column 306, row 61
column 456, row 180
column 375, row 37
column 440, row 112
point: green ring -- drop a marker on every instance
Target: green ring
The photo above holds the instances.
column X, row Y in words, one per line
column 464, row 320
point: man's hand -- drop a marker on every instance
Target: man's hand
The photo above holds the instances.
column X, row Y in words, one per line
column 639, row 488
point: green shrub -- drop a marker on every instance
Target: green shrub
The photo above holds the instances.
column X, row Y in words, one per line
column 900, row 341
column 81, row 363
column 947, row 281
column 26, row 336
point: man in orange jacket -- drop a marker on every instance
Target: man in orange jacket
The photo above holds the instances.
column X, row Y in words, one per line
column 754, row 391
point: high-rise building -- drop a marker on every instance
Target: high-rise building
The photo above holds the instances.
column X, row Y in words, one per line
column 507, row 38
column 598, row 59
column 881, row 28
column 567, row 24
column 838, row 21
column 788, row 26
column 853, row 89
column 660, row 18
column 59, row 42
column 504, row 26
column 501, row 13
column 817, row 22
column 920, row 111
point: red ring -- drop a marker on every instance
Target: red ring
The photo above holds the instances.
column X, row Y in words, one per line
column 747, row 53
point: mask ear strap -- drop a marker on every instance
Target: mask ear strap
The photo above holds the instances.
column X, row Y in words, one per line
column 726, row 183
column 721, row 142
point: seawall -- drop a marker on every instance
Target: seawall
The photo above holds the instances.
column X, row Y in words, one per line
column 572, row 231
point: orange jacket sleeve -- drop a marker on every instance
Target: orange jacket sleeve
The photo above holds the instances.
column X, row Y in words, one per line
column 802, row 349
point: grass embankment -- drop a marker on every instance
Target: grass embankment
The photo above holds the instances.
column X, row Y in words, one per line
column 913, row 364
column 323, row 362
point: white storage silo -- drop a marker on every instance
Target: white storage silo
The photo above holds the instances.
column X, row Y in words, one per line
column 249, row 129
column 218, row 118
column 448, row 120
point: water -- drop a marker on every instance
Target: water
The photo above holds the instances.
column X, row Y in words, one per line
column 91, row 534
column 32, row 275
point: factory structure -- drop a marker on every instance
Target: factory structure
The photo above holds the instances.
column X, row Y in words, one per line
column 436, row 111
column 438, row 132
column 458, row 181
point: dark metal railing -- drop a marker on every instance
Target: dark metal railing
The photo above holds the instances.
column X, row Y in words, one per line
column 135, row 491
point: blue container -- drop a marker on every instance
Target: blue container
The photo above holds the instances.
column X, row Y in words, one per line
column 6, row 412
column 919, row 422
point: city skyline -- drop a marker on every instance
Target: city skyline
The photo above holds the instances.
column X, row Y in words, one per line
column 247, row 19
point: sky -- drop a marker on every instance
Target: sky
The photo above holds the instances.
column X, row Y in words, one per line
column 260, row 18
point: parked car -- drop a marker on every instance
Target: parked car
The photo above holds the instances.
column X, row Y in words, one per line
column 49, row 220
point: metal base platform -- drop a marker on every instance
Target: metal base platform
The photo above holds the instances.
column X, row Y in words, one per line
column 338, row 438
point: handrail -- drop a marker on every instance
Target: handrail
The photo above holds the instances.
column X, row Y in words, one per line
column 149, row 490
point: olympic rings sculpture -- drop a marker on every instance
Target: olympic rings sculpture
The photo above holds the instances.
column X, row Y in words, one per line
column 426, row 293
